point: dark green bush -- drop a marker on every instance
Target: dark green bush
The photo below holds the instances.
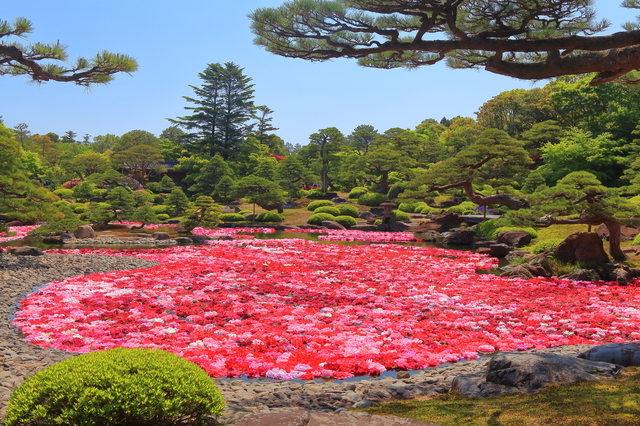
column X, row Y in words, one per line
column 319, row 203
column 161, row 209
column 332, row 210
column 117, row 387
column 163, row 217
column 316, row 219
column 269, row 217
column 346, row 221
column 372, row 199
column 231, row 217
column 415, row 207
column 348, row 210
column 357, row 192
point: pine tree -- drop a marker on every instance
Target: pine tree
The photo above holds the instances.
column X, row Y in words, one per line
column 223, row 106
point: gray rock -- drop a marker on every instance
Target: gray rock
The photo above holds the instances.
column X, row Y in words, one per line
column 25, row 251
column 459, row 237
column 199, row 239
column 624, row 354
column 160, row 236
column 363, row 228
column 531, row 372
column 332, row 224
column 184, row 240
column 582, row 275
column 619, row 273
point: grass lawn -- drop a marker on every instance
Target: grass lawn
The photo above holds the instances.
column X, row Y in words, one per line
column 602, row 403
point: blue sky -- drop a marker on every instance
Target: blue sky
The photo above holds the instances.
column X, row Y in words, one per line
column 174, row 41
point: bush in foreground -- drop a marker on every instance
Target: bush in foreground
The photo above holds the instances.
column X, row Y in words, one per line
column 269, row 217
column 316, row 219
column 372, row 199
column 119, row 386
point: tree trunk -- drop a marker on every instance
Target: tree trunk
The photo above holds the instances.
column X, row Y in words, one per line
column 615, row 236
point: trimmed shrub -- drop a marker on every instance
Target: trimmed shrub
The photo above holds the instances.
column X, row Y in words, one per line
column 319, row 203
column 269, row 217
column 346, row 221
column 231, row 217
column 79, row 208
column 546, row 245
column 415, row 207
column 118, row 386
column 316, row 194
column 64, row 193
column 636, row 240
column 457, row 209
column 372, row 199
column 357, row 192
column 332, row 210
column 245, row 211
column 316, row 219
column 399, row 216
column 163, row 217
column 347, row 210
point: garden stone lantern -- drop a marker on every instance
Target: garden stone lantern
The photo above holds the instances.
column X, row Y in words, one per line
column 387, row 211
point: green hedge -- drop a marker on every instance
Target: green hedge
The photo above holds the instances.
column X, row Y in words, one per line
column 231, row 217
column 346, row 221
column 270, row 217
column 357, row 192
column 332, row 210
column 348, row 210
column 316, row 219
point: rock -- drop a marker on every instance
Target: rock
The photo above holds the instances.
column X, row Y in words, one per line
column 446, row 220
column 184, row 240
column 514, row 238
column 84, row 231
column 624, row 354
column 366, row 215
column 476, row 386
column 403, row 375
column 199, row 239
column 499, row 250
column 332, row 224
column 619, row 273
column 402, row 226
column 582, row 275
column 530, row 372
column 518, row 271
column 229, row 209
column 459, row 237
column 339, row 200
column 582, row 247
column 160, row 236
column 484, row 250
column 363, row 228
column 25, row 251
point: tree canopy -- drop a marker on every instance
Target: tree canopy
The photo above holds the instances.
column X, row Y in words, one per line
column 42, row 61
column 526, row 39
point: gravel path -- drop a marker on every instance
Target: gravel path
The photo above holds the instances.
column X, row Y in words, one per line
column 20, row 275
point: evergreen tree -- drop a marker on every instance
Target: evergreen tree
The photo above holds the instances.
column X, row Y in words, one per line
column 223, row 106
column 121, row 202
column 20, row 196
column 177, row 201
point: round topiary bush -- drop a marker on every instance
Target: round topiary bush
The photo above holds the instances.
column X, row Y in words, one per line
column 117, row 387
column 372, row 199
column 348, row 210
column 245, row 211
column 319, row 203
column 412, row 207
column 399, row 216
column 64, row 193
column 332, row 210
column 163, row 217
column 357, row 192
column 231, row 217
column 316, row 219
column 269, row 217
column 316, row 194
column 346, row 221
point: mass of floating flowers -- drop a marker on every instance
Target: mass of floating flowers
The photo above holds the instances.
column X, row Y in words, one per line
column 16, row 232
column 292, row 308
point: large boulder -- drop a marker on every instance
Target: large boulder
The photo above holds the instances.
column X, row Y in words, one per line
column 624, row 354
column 529, row 372
column 332, row 224
column 619, row 273
column 459, row 237
column 499, row 250
column 582, row 247
column 582, row 275
column 514, row 238
column 627, row 232
column 84, row 231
